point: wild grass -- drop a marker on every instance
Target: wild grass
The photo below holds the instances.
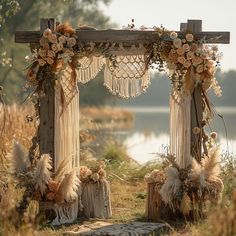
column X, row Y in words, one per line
column 128, row 190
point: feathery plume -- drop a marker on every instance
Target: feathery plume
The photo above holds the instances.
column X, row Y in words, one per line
column 171, row 187
column 60, row 172
column 19, row 158
column 210, row 163
column 42, row 173
column 68, row 188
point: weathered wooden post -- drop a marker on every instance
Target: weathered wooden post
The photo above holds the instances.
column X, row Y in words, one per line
column 156, row 208
column 47, row 106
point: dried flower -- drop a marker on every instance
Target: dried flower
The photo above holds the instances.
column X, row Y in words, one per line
column 213, row 135
column 62, row 39
column 41, row 62
column 52, row 38
column 95, row 177
column 193, row 47
column 197, row 60
column 71, row 42
column 181, row 59
column 187, row 64
column 190, row 55
column 199, row 69
column 177, row 43
column 42, row 53
column 59, row 46
column 51, row 53
column 186, row 47
column 54, row 47
column 43, row 41
column 173, row 35
column 180, row 51
column 196, row 130
column 46, row 46
column 189, row 37
column 47, row 33
column 102, row 173
column 49, row 60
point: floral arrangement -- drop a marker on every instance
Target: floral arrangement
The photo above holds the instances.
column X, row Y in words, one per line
column 190, row 62
column 56, row 49
column 45, row 185
column 185, row 189
column 92, row 174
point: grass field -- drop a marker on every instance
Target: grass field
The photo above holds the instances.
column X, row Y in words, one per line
column 128, row 188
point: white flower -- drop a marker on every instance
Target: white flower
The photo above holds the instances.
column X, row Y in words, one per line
column 173, row 35
column 189, row 37
column 177, row 43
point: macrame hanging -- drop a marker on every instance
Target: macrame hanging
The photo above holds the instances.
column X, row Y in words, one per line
column 66, row 136
column 127, row 76
column 89, row 67
column 180, row 121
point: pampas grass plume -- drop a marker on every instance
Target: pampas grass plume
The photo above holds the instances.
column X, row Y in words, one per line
column 19, row 158
column 68, row 188
column 42, row 173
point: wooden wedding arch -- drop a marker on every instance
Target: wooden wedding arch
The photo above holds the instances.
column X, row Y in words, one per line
column 47, row 104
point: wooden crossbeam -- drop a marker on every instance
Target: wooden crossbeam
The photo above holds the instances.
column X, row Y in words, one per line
column 123, row 36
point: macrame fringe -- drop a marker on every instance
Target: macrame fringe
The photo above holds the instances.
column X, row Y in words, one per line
column 89, row 68
column 180, row 133
column 126, row 87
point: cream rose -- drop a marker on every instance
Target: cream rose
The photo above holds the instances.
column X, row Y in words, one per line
column 181, row 59
column 52, row 38
column 199, row 69
column 187, row 64
column 173, row 35
column 189, row 37
column 49, row 60
column 177, row 43
column 186, row 47
column 47, row 33
column 180, row 51
column 41, row 62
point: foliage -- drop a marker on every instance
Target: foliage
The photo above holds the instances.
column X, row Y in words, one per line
column 78, row 12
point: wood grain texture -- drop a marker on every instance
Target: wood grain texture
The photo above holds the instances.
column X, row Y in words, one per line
column 96, row 199
column 47, row 108
column 125, row 36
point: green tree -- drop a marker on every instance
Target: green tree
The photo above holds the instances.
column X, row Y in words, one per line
column 25, row 15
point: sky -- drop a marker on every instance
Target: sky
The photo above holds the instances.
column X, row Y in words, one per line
column 217, row 15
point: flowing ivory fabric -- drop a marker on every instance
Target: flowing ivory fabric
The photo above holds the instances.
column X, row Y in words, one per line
column 66, row 140
column 180, row 131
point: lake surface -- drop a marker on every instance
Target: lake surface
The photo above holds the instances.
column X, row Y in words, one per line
column 150, row 132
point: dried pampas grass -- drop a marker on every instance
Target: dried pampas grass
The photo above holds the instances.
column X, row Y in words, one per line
column 68, row 189
column 185, row 206
column 61, row 170
column 42, row 173
column 171, row 187
column 19, row 158
column 210, row 163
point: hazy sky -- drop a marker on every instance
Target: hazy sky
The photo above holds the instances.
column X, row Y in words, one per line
column 217, row 15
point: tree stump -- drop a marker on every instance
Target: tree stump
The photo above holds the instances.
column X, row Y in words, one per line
column 96, row 199
column 156, row 209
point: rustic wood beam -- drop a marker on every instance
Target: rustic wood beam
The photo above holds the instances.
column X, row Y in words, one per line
column 47, row 107
column 123, row 36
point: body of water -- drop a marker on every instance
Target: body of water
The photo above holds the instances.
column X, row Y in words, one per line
column 150, row 132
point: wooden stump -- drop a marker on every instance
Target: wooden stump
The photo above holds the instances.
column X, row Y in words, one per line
column 156, row 209
column 96, row 199
column 153, row 202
